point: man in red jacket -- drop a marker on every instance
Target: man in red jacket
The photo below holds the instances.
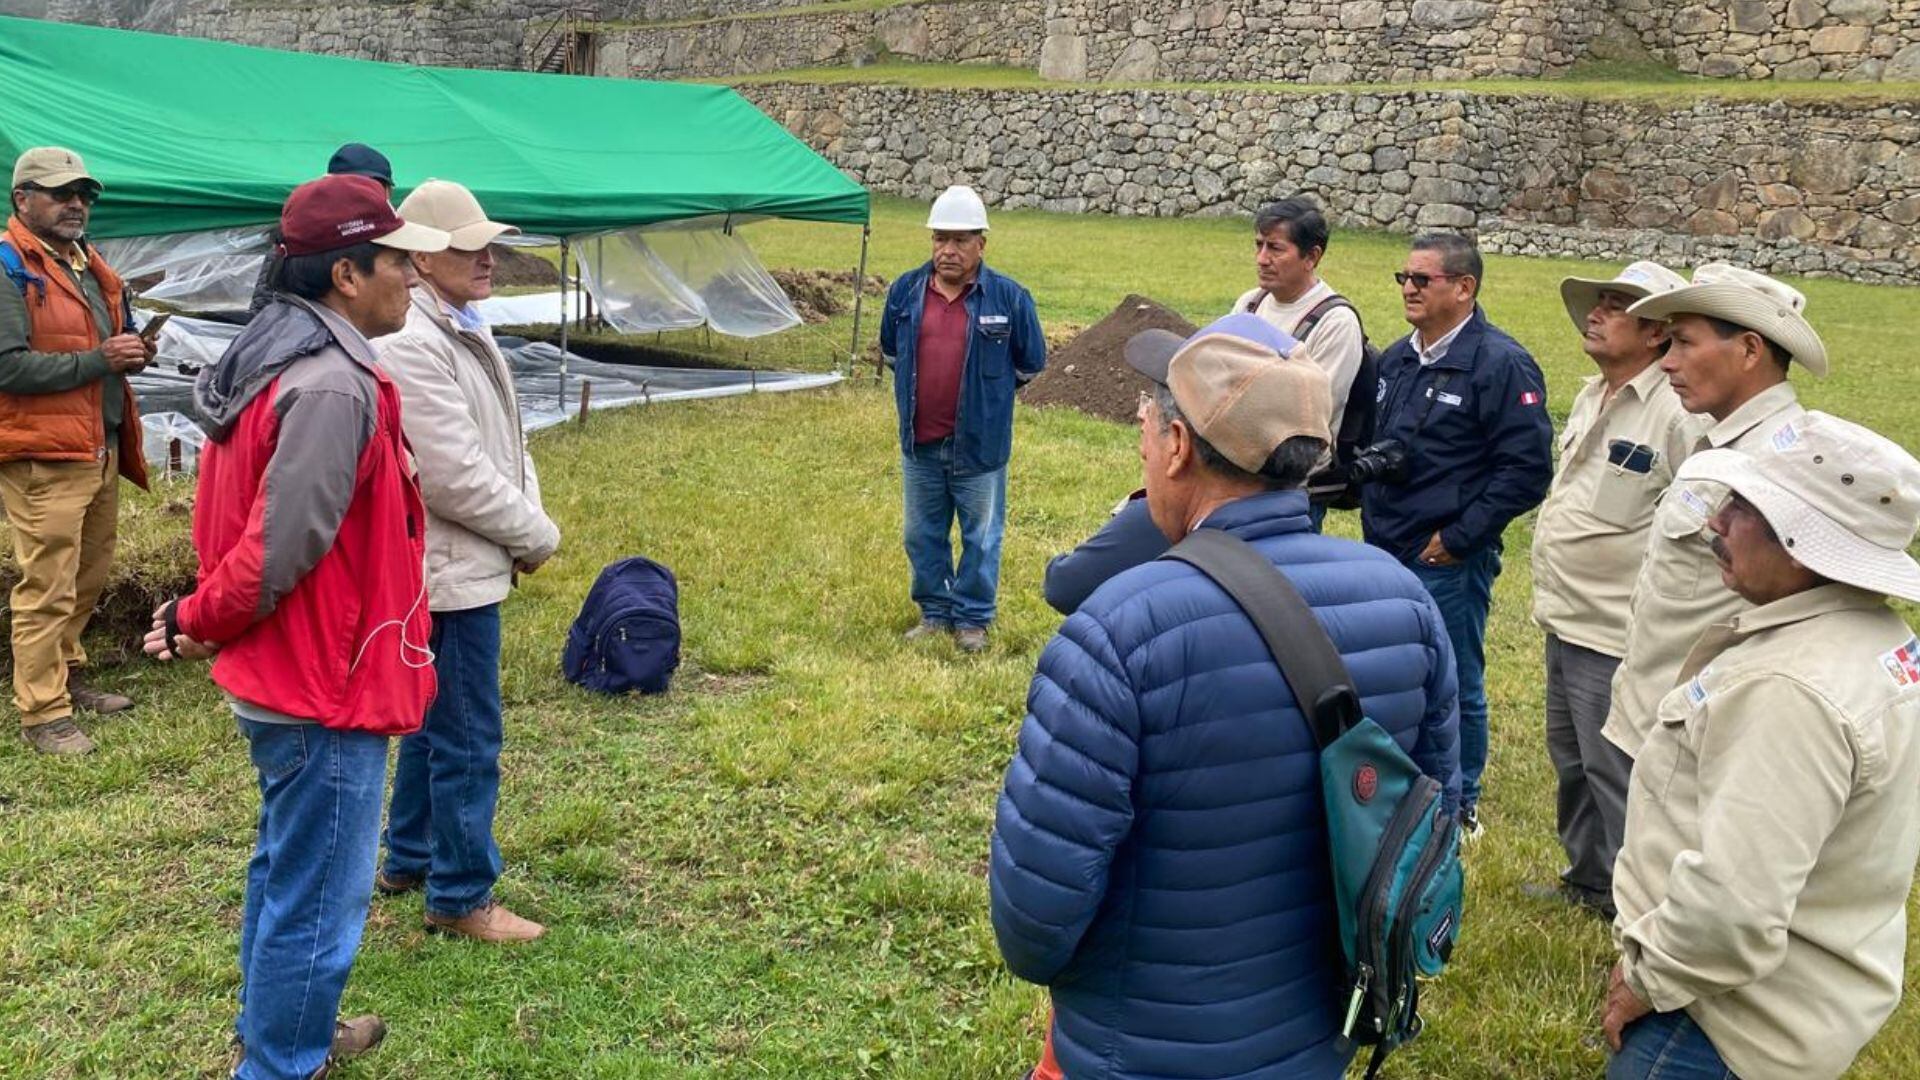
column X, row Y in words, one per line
column 310, row 531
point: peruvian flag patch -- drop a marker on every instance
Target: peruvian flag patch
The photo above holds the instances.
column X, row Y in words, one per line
column 1531, row 397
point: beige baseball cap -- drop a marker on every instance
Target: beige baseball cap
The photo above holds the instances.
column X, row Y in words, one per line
column 51, row 167
column 1844, row 500
column 1767, row 306
column 1236, row 387
column 1639, row 280
column 451, row 208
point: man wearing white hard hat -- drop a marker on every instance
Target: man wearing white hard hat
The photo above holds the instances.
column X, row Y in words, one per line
column 1735, row 334
column 960, row 339
column 484, row 525
column 1774, row 818
column 1624, row 438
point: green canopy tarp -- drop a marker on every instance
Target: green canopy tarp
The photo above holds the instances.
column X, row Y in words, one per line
column 190, row 135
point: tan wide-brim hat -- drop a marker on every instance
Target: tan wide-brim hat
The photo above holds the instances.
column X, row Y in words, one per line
column 1844, row 500
column 1640, row 280
column 451, row 208
column 51, row 167
column 1767, row 306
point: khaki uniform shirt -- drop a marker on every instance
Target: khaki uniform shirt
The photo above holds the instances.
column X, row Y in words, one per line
column 1679, row 592
column 1592, row 531
column 1772, row 827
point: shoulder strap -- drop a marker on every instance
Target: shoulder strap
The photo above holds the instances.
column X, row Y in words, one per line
column 16, row 269
column 1319, row 311
column 1312, row 666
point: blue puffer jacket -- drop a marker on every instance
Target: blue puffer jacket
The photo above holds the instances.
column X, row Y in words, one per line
column 1159, row 855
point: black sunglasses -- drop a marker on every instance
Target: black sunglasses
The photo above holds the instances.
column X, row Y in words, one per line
column 86, row 194
column 1420, row 281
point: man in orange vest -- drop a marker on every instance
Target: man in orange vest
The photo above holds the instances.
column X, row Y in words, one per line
column 68, row 426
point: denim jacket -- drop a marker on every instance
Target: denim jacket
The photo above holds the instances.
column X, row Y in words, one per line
column 1005, row 348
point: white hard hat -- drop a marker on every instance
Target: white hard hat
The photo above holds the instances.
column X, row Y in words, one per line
column 958, row 209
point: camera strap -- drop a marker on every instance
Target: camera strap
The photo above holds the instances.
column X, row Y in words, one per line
column 1426, row 408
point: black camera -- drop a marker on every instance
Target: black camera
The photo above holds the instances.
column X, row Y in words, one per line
column 1383, row 462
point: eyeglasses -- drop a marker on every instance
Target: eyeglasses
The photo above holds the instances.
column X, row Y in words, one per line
column 1421, row 281
column 87, row 195
column 1140, row 409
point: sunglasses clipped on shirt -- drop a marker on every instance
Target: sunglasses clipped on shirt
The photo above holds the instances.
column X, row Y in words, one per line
column 1420, row 281
column 87, row 195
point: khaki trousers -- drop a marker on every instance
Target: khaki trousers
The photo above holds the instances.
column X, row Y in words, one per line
column 63, row 516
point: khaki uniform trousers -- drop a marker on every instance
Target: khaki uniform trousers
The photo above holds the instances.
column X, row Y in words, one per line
column 63, row 516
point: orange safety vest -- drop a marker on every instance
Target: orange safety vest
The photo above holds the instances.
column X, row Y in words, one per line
column 67, row 426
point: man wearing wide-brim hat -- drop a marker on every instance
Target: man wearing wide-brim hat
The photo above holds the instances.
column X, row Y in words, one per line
column 1734, row 335
column 1625, row 436
column 1774, row 817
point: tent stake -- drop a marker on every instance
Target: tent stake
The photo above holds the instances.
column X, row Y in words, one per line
column 859, row 293
column 174, row 462
column 563, row 324
column 586, row 396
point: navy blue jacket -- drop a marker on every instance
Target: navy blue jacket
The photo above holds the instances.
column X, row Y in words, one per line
column 1004, row 349
column 1128, row 539
column 1485, row 455
column 1159, row 853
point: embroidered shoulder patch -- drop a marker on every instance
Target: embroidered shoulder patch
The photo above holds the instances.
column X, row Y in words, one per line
column 1786, row 438
column 1697, row 692
column 1903, row 664
column 1691, row 500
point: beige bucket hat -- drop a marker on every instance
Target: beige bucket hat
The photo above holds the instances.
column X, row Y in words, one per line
column 1767, row 306
column 1844, row 500
column 1639, row 280
column 451, row 208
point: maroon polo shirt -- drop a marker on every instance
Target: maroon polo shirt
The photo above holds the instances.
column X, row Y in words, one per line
column 939, row 359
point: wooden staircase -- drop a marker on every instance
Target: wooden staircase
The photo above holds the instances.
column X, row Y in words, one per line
column 564, row 48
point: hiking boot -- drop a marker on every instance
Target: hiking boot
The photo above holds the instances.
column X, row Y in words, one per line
column 351, row 1038
column 60, row 737
column 395, row 884
column 1470, row 827
column 927, row 628
column 97, row 701
column 971, row 639
column 1587, row 900
column 490, row 923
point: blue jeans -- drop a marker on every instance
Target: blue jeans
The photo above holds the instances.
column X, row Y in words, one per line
column 1667, row 1046
column 307, row 889
column 1464, row 594
column 446, row 779
column 935, row 496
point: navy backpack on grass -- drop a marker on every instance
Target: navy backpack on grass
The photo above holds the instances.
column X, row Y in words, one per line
column 627, row 636
column 1397, row 882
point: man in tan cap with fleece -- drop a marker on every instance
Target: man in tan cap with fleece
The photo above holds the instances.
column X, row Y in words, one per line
column 484, row 525
column 69, row 428
column 1774, row 817
column 1623, row 440
column 1735, row 334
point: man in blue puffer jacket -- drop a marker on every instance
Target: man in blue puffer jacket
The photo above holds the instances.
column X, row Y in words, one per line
column 1159, row 855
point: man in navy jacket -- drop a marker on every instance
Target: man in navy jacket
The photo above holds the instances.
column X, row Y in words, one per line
column 960, row 338
column 1469, row 404
column 1159, row 856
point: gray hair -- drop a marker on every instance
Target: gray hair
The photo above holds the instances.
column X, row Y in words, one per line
column 1286, row 469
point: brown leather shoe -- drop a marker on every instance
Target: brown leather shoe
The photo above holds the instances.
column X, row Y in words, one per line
column 395, row 884
column 351, row 1038
column 490, row 923
column 971, row 639
column 927, row 628
column 98, row 701
column 60, row 737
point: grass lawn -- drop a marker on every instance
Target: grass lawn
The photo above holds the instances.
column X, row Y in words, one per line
column 776, row 870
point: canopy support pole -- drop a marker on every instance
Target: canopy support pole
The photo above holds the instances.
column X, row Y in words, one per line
column 859, row 294
column 563, row 324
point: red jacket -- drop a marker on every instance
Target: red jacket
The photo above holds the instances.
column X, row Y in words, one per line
column 310, row 529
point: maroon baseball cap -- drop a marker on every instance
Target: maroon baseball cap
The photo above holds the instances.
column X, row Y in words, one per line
column 340, row 211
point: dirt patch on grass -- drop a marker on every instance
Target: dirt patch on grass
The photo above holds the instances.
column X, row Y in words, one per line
column 819, row 295
column 1090, row 372
column 513, row 268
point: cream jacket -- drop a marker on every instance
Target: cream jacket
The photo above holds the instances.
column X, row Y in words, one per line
column 1772, row 827
column 1679, row 594
column 463, row 420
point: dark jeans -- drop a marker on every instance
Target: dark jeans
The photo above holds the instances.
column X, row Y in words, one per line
column 1667, row 1046
column 1464, row 594
column 446, row 779
column 935, row 495
column 307, row 889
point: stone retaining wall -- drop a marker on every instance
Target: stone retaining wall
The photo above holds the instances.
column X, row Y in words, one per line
column 1813, row 189
column 938, row 31
column 468, row 33
column 1781, row 39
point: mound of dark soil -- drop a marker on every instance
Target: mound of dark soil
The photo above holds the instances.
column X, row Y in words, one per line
column 1090, row 373
column 515, row 267
column 818, row 295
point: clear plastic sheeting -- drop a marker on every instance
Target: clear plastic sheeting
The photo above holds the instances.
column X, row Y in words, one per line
column 676, row 278
column 523, row 310
column 161, row 431
column 186, row 343
column 206, row 271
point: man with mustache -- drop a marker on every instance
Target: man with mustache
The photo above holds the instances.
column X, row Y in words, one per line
column 69, row 428
column 1624, row 438
column 960, row 339
column 1734, row 333
column 1774, row 818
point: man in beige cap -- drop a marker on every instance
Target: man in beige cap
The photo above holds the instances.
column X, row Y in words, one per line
column 484, row 525
column 69, row 427
column 1734, row 334
column 1626, row 435
column 1774, row 818
column 1164, row 804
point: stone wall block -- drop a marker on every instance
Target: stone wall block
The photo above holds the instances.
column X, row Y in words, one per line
column 1839, row 40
